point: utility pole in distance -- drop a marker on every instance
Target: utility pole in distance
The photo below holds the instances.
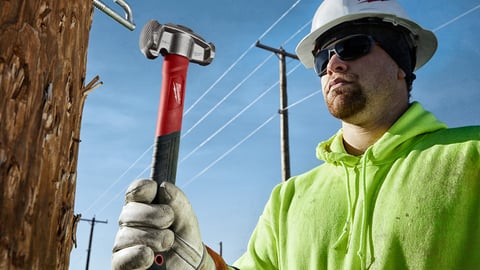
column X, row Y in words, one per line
column 92, row 222
column 283, row 111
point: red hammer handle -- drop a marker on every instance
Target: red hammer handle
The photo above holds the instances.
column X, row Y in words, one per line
column 169, row 123
column 170, row 110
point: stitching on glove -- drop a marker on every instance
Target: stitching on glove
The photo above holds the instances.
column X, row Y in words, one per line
column 178, row 254
column 183, row 244
column 203, row 258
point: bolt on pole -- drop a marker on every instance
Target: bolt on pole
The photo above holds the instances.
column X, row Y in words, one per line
column 283, row 111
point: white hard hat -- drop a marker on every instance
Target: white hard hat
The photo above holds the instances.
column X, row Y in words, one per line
column 334, row 12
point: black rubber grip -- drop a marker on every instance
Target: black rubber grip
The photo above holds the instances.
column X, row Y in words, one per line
column 164, row 168
column 165, row 158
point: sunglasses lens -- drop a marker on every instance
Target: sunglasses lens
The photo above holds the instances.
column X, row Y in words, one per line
column 321, row 61
column 353, row 48
column 347, row 49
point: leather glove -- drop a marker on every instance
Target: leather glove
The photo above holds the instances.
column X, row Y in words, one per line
column 170, row 226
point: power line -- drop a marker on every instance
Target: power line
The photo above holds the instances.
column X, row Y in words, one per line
column 227, row 96
column 119, row 178
column 296, row 33
column 239, row 84
column 278, row 20
column 304, row 99
column 218, row 80
column 125, row 189
column 229, row 122
column 229, row 151
column 242, row 56
column 214, row 134
column 243, row 140
column 203, row 171
column 456, row 18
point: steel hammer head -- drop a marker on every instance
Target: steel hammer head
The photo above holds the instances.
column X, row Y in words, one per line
column 157, row 39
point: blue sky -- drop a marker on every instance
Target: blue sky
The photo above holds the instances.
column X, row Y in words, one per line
column 230, row 159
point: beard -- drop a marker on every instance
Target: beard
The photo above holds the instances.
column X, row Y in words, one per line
column 345, row 101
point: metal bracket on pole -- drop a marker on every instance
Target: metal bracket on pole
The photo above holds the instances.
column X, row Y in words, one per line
column 127, row 21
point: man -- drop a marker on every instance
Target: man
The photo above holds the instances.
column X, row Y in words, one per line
column 397, row 190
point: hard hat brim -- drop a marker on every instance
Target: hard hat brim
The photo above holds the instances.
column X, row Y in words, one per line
column 425, row 40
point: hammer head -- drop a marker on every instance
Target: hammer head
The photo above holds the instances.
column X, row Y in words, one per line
column 157, row 39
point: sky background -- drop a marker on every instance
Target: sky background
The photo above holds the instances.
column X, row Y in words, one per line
column 230, row 149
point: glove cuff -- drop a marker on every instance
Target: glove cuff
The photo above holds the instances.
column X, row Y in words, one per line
column 217, row 259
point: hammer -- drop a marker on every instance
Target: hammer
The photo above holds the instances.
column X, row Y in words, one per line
column 178, row 45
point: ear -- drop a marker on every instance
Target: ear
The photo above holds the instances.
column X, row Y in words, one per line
column 401, row 75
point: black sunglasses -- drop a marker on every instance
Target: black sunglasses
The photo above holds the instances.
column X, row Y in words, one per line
column 348, row 48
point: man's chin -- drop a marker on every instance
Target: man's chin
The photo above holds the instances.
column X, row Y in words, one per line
column 344, row 111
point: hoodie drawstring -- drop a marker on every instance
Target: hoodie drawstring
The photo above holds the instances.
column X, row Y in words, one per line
column 366, row 226
column 346, row 232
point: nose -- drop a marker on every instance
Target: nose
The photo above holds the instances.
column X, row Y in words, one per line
column 336, row 64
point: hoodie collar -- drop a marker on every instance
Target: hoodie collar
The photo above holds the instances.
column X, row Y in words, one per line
column 415, row 121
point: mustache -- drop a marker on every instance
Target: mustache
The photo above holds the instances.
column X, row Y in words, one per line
column 340, row 78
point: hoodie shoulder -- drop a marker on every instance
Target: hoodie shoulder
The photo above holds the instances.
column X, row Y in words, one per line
column 467, row 134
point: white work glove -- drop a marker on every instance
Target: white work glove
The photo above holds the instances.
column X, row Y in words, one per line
column 170, row 226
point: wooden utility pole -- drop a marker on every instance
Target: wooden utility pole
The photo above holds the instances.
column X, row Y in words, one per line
column 90, row 239
column 283, row 111
column 43, row 54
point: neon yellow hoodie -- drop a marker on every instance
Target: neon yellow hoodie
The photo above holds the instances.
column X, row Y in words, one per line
column 411, row 201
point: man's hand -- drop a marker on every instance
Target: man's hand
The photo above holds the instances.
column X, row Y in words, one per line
column 170, row 227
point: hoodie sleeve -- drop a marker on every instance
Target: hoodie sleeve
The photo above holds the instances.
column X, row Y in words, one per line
column 262, row 250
